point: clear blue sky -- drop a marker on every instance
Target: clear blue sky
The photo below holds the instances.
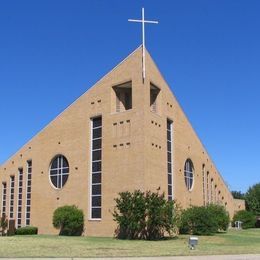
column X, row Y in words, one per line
column 52, row 51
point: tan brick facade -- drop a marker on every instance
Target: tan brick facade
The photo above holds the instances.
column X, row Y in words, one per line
column 134, row 151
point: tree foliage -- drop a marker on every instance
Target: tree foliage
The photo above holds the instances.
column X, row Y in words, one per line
column 238, row 195
column 253, row 199
column 69, row 219
column 248, row 219
column 144, row 215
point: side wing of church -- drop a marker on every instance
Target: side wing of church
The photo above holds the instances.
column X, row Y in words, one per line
column 122, row 134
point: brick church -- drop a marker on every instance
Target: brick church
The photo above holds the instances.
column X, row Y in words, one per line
column 127, row 132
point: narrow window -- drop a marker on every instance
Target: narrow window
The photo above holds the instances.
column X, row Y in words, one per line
column 216, row 194
column 212, row 191
column 154, row 92
column 11, row 208
column 204, row 184
column 189, row 174
column 28, row 194
column 96, row 168
column 219, row 201
column 123, row 94
column 4, row 191
column 20, row 197
column 169, row 159
column 208, row 189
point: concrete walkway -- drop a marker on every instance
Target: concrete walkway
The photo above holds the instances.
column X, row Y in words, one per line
column 206, row 257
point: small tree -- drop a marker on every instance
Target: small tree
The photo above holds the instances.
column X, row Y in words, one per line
column 130, row 215
column 161, row 216
column 142, row 215
column 69, row 219
column 248, row 219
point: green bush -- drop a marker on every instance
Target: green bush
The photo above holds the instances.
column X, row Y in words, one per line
column 3, row 224
column 248, row 219
column 198, row 221
column 29, row 230
column 204, row 220
column 220, row 216
column 69, row 219
column 142, row 215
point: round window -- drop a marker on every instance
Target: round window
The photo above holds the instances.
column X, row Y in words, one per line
column 59, row 171
column 189, row 174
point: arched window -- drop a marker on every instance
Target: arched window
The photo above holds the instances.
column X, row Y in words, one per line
column 59, row 171
column 189, row 174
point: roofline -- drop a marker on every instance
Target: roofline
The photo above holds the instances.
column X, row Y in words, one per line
column 66, row 108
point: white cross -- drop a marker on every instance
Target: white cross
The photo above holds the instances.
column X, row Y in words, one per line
column 143, row 21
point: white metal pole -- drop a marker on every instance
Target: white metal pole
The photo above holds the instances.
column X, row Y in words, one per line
column 143, row 43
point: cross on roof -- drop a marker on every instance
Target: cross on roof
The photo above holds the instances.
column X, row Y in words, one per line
column 143, row 21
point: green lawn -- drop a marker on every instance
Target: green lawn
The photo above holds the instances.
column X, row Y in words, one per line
column 233, row 242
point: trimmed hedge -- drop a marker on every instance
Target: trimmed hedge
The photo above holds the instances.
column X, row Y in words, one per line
column 29, row 230
column 69, row 219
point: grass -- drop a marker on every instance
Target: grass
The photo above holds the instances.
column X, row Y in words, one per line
column 232, row 242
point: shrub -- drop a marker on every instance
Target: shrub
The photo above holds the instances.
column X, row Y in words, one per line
column 29, row 230
column 142, row 215
column 3, row 224
column 161, row 216
column 69, row 219
column 204, row 220
column 220, row 216
column 198, row 221
column 130, row 215
column 248, row 219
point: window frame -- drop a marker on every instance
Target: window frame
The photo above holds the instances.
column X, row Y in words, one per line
column 59, row 176
column 98, row 171
column 169, row 173
column 189, row 178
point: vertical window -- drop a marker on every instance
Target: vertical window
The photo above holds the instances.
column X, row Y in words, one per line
column 219, row 201
column 96, row 168
column 212, row 191
column 208, row 189
column 169, row 159
column 204, row 184
column 11, row 209
column 216, row 193
column 189, row 174
column 28, row 194
column 4, row 191
column 20, row 197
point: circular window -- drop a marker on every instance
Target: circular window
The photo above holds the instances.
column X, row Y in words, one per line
column 188, row 174
column 59, row 171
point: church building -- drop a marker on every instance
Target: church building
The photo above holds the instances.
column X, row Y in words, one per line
column 127, row 132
